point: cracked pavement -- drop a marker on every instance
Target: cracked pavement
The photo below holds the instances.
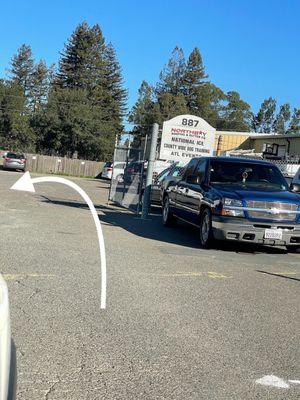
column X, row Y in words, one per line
column 181, row 322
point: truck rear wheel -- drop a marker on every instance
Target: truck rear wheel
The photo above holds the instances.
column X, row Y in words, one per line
column 167, row 216
column 206, row 235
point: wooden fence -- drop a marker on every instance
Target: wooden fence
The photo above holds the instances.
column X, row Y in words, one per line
column 61, row 165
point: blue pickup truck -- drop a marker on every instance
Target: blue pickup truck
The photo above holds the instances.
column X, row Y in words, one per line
column 236, row 199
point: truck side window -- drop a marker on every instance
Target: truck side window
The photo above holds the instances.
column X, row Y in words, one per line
column 162, row 175
column 190, row 168
column 200, row 170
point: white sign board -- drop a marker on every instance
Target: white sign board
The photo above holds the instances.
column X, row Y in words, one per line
column 185, row 137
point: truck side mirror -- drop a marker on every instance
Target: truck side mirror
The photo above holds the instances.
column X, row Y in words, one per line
column 192, row 179
column 295, row 187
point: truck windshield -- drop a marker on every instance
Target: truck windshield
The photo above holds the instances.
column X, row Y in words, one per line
column 248, row 175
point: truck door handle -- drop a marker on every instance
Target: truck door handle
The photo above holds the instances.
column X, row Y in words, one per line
column 182, row 190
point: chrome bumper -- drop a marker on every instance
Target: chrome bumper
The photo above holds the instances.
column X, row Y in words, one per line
column 14, row 166
column 243, row 230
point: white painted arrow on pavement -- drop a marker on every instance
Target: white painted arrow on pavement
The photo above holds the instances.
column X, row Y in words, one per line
column 272, row 380
column 25, row 183
column 275, row 381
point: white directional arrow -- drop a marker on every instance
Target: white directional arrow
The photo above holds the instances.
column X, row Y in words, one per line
column 25, row 183
column 275, row 381
column 272, row 380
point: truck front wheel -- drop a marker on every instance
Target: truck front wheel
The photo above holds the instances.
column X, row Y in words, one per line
column 293, row 249
column 205, row 229
column 167, row 216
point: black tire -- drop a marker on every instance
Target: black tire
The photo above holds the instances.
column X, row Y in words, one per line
column 168, row 218
column 293, row 249
column 142, row 198
column 120, row 178
column 12, row 374
column 205, row 229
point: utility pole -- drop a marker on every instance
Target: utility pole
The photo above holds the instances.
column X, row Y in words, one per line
column 147, row 192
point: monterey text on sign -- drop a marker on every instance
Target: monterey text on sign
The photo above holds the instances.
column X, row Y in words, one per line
column 185, row 137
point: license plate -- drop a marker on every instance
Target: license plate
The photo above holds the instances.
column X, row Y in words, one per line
column 273, row 234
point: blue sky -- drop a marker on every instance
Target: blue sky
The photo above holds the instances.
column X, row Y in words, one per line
column 248, row 46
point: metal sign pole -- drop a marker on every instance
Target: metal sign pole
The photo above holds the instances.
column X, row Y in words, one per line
column 112, row 176
column 124, row 183
column 147, row 192
column 142, row 176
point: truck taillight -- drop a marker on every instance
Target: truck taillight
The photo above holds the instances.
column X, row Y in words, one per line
column 7, row 159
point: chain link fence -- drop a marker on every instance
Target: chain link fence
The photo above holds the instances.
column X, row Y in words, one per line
column 127, row 177
column 288, row 165
column 289, row 168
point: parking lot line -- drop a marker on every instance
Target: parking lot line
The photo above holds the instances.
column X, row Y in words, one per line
column 204, row 274
column 17, row 277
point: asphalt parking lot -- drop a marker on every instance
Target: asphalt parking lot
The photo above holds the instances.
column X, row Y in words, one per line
column 180, row 323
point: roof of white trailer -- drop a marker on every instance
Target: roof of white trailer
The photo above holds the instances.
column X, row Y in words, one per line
column 234, row 133
column 274, row 136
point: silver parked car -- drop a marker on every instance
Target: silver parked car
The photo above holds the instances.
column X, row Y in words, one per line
column 113, row 170
column 16, row 161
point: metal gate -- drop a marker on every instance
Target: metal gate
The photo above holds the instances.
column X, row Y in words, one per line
column 127, row 177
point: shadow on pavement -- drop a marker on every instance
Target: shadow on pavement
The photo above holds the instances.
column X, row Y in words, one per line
column 152, row 228
column 279, row 275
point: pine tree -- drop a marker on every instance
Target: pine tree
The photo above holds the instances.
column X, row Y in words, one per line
column 66, row 122
column 82, row 61
column 170, row 106
column 182, row 89
column 145, row 111
column 294, row 127
column 236, row 114
column 280, row 124
column 113, row 85
column 87, row 100
column 40, row 85
column 194, row 78
column 172, row 76
column 142, row 112
column 15, row 131
column 22, row 67
column 209, row 103
column 264, row 120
